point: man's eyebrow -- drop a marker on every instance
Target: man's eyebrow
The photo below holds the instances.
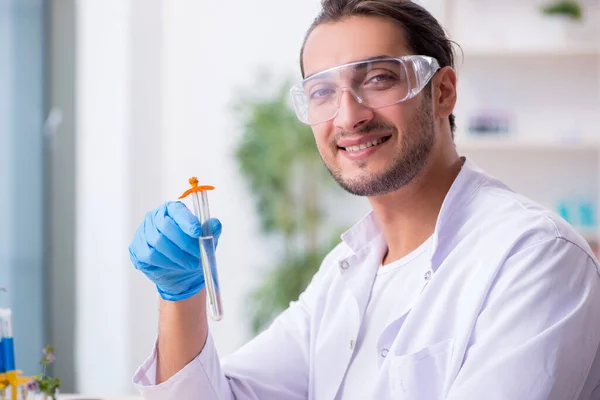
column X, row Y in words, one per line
column 374, row 58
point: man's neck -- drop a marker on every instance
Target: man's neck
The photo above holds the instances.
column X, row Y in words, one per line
column 408, row 216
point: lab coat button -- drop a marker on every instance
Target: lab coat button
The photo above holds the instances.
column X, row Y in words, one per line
column 344, row 264
column 351, row 345
column 427, row 275
column 384, row 353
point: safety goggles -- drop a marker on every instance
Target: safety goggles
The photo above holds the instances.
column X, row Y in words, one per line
column 373, row 83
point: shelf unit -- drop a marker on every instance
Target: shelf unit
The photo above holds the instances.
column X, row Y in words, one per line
column 549, row 89
column 504, row 51
column 512, row 143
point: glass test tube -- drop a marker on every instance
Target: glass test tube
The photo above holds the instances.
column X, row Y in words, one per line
column 7, row 347
column 207, row 255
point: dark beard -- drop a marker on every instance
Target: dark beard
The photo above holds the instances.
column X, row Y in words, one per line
column 417, row 144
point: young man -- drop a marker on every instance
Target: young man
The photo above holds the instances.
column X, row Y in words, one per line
column 454, row 287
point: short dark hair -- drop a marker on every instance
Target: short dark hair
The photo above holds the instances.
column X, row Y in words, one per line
column 424, row 34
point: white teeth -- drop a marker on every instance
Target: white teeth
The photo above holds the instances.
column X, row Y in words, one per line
column 365, row 145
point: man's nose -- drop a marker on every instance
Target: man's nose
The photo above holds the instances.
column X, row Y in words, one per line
column 352, row 114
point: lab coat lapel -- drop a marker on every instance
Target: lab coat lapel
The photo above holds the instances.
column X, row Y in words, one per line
column 465, row 184
column 357, row 273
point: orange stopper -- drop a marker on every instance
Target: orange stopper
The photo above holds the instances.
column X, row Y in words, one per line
column 195, row 188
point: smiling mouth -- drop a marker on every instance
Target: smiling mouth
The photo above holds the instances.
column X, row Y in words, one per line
column 363, row 146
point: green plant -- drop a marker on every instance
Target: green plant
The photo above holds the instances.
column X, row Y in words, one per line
column 42, row 383
column 278, row 158
column 569, row 8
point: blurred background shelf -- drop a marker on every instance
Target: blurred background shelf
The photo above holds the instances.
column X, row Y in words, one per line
column 478, row 51
column 514, row 143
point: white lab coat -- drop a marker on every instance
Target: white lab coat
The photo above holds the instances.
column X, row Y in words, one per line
column 509, row 310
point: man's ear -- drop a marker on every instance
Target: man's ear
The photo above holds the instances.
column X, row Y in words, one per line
column 444, row 92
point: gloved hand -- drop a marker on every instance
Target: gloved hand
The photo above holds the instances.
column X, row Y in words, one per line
column 166, row 249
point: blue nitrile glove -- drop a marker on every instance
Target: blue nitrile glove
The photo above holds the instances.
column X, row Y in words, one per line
column 166, row 249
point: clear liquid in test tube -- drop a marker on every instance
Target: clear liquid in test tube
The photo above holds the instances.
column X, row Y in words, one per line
column 208, row 260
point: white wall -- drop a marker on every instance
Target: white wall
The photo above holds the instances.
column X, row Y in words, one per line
column 102, row 194
column 146, row 163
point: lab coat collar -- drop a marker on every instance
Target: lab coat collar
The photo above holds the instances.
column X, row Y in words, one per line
column 362, row 233
column 468, row 180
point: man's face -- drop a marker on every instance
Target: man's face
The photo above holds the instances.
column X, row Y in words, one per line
column 404, row 131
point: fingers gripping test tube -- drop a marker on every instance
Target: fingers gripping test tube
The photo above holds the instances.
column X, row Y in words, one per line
column 208, row 260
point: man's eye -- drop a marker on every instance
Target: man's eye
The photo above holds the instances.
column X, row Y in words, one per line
column 382, row 79
column 320, row 93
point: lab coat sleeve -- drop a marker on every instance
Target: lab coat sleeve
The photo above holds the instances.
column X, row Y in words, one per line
column 539, row 328
column 273, row 365
column 185, row 384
